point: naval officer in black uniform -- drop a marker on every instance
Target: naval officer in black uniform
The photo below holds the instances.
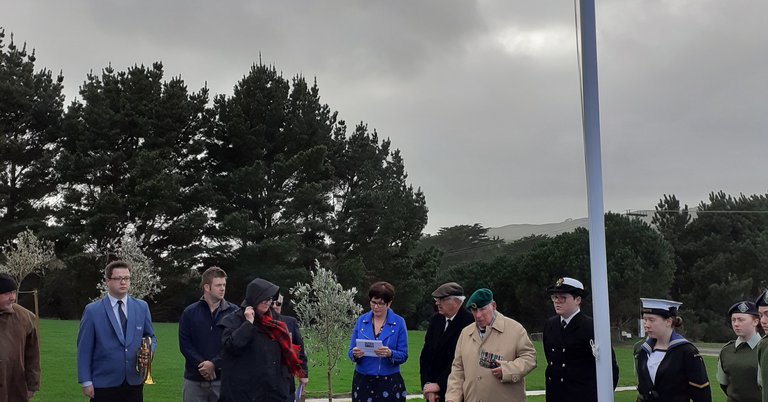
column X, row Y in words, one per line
column 571, row 375
column 669, row 368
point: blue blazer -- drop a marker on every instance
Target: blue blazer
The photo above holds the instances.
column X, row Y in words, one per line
column 393, row 335
column 104, row 356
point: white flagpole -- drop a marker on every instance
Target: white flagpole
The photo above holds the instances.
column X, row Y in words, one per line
column 593, row 162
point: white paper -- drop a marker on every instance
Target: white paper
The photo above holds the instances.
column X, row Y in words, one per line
column 299, row 391
column 368, row 346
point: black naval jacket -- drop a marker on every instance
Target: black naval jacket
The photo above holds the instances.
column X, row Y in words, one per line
column 681, row 376
column 439, row 348
column 571, row 374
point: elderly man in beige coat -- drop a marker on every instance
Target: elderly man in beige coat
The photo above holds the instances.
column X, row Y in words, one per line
column 492, row 357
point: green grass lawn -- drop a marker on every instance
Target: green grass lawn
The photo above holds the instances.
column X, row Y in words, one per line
column 58, row 348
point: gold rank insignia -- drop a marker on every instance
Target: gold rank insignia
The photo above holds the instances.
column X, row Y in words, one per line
column 560, row 283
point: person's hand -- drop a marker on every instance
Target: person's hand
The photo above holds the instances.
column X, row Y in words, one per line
column 88, row 391
column 497, row 370
column 431, row 397
column 383, row 352
column 207, row 370
column 432, row 387
column 249, row 314
column 304, row 380
column 357, row 352
column 30, row 395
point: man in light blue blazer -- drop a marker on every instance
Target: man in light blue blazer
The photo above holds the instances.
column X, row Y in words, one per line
column 109, row 339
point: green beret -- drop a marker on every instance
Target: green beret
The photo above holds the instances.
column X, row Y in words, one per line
column 481, row 298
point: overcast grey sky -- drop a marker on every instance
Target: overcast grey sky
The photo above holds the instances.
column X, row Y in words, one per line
column 481, row 97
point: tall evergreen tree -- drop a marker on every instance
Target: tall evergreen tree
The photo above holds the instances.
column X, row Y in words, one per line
column 31, row 108
column 378, row 217
column 130, row 158
column 723, row 254
column 670, row 219
column 268, row 164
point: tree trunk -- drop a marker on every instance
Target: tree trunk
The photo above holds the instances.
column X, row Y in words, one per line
column 330, row 377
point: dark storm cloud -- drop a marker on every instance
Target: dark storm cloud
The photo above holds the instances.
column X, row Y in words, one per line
column 481, row 97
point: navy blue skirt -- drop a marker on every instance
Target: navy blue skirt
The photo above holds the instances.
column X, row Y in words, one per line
column 372, row 388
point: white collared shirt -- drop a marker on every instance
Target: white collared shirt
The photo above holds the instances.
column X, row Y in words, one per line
column 448, row 320
column 569, row 318
column 113, row 302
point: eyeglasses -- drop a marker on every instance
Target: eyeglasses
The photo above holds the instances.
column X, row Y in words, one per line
column 378, row 304
column 439, row 300
column 277, row 304
column 121, row 278
column 559, row 298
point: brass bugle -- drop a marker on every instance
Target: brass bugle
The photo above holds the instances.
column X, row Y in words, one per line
column 144, row 360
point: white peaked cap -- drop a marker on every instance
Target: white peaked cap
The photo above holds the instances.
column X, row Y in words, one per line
column 573, row 282
column 660, row 306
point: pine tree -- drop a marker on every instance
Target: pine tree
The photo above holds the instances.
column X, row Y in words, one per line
column 31, row 108
column 129, row 158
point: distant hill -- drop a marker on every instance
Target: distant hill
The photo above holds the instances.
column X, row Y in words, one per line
column 510, row 233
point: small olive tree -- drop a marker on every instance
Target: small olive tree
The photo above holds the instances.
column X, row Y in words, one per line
column 26, row 254
column 327, row 313
column 145, row 277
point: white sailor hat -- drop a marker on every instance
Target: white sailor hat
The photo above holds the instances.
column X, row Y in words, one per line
column 664, row 308
column 567, row 285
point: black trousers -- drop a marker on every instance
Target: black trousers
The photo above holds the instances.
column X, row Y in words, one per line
column 121, row 393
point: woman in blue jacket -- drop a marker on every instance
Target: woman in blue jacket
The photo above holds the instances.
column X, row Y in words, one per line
column 377, row 370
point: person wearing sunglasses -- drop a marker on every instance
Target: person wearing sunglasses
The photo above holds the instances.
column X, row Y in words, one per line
column 258, row 358
column 296, row 339
column 384, row 340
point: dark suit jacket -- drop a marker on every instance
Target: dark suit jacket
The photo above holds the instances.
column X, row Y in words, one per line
column 104, row 355
column 439, row 348
column 570, row 374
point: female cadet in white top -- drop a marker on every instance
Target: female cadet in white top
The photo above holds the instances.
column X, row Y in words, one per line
column 668, row 367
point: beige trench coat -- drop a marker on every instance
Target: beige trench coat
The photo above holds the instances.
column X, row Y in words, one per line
column 470, row 382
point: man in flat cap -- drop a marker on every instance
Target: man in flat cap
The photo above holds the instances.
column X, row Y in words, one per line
column 440, row 341
column 762, row 348
column 737, row 363
column 571, row 374
column 492, row 358
column 19, row 348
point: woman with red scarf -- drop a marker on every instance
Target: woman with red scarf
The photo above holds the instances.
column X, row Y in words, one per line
column 258, row 358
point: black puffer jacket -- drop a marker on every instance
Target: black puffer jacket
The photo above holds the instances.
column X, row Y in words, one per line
column 251, row 367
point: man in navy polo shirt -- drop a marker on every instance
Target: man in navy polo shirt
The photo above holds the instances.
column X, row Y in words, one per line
column 200, row 338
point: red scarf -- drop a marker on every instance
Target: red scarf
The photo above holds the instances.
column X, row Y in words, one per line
column 278, row 332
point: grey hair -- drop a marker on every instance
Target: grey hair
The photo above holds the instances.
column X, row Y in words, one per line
column 459, row 298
